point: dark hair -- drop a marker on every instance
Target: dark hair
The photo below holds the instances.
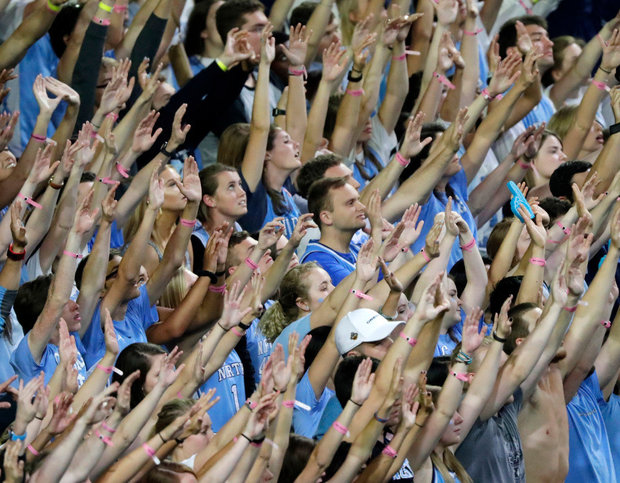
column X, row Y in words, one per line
column 209, row 184
column 166, row 472
column 508, row 32
column 30, row 300
column 555, row 207
column 63, row 25
column 559, row 46
column 302, row 13
column 459, row 275
column 561, row 180
column 195, row 26
column 519, row 329
column 230, row 15
column 319, row 198
column 438, row 371
column 235, row 238
column 498, row 233
column 295, row 458
column 331, row 114
column 343, row 379
column 505, row 288
column 170, row 411
column 135, row 357
column 433, row 130
column 319, row 336
column 315, row 169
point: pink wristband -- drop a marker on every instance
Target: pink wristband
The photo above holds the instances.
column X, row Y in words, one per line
column 523, row 165
column 107, row 180
column 355, row 92
column 571, row 309
column 151, row 452
column 119, row 8
column 77, row 256
column 298, row 72
column 106, row 369
column 112, row 115
column 108, row 428
column 462, row 376
column 101, row 21
column 39, row 138
column 444, row 80
column 187, row 223
column 28, row 200
column 404, row 162
column 289, row 403
column 217, row 288
column 121, row 170
column 472, row 34
column 485, row 93
column 527, row 9
column 402, row 56
column 103, row 438
column 341, row 428
column 564, row 229
column 250, row 263
column 424, row 254
column 32, row 450
column 389, row 451
column 538, row 261
column 361, row 295
column 235, row 331
column 600, row 85
column 606, row 323
column 469, row 245
column 412, row 341
column 251, row 404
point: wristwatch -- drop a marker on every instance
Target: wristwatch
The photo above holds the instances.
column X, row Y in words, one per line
column 163, row 150
column 278, row 112
column 614, row 128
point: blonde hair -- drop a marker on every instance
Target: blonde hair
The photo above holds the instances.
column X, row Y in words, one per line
column 448, row 464
column 133, row 223
column 562, row 120
column 175, row 291
column 294, row 285
column 170, row 411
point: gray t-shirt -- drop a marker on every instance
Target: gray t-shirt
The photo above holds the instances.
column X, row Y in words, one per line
column 492, row 450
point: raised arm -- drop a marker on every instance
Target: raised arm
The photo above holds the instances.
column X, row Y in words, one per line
column 254, row 158
column 296, row 113
column 534, row 273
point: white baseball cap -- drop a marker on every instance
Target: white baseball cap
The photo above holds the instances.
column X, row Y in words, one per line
column 362, row 325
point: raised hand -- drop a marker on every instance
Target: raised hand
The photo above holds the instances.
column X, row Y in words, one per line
column 433, row 301
column 85, row 217
column 611, row 51
column 156, row 191
column 26, row 406
column 5, row 387
column 18, row 230
column 304, row 223
column 101, row 406
column 12, row 464
column 167, row 370
column 123, row 395
column 270, row 233
column 179, row 132
column 472, row 337
column 409, row 406
column 297, row 45
column 412, row 145
column 267, row 45
column 537, row 231
column 148, row 83
column 43, row 168
column 259, row 418
column 529, row 70
column 360, row 32
column 109, row 334
column 334, row 62
column 454, row 133
column 433, row 238
column 47, row 105
column 7, row 127
column 615, row 227
column 190, row 188
column 252, row 299
column 299, row 357
column 558, row 288
column 61, row 416
column 142, row 138
column 59, row 89
column 237, row 48
column 360, row 56
column 505, row 75
column 108, row 205
column 389, row 277
column 362, row 382
column 366, row 262
column 446, row 10
column 232, row 313
column 5, row 76
column 524, row 41
column 281, row 368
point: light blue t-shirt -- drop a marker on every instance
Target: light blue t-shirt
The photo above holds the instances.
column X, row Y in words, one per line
column 301, row 326
column 330, row 414
column 611, row 417
column 542, row 112
column 306, row 422
column 437, row 203
column 590, row 459
column 27, row 368
column 258, row 346
column 140, row 316
column 229, row 386
column 338, row 265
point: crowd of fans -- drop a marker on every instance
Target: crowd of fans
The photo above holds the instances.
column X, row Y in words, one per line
column 335, row 240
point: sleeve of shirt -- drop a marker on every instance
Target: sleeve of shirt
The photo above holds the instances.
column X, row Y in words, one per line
column 92, row 339
column 595, row 386
column 149, row 313
column 252, row 221
column 459, row 184
column 23, row 363
column 7, row 299
column 336, row 271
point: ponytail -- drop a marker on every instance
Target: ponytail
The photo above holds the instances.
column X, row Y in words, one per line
column 448, row 464
column 273, row 322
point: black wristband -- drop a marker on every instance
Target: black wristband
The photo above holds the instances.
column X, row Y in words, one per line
column 164, row 151
column 357, row 404
column 278, row 112
column 244, row 326
column 614, row 128
column 498, row 338
column 258, row 440
column 220, row 273
column 11, row 255
column 206, row 273
column 352, row 78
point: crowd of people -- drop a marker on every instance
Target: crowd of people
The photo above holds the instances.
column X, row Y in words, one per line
column 333, row 240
